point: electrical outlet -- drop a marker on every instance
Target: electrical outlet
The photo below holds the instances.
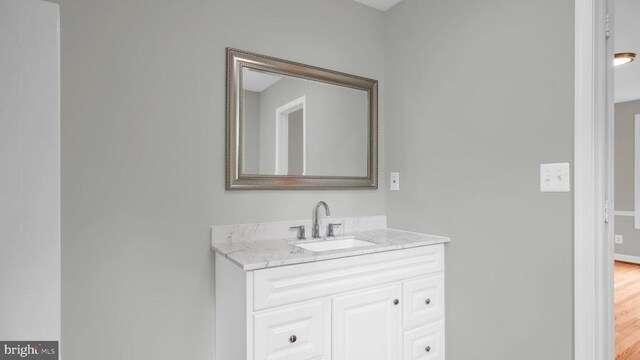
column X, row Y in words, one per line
column 555, row 177
column 618, row 239
column 395, row 181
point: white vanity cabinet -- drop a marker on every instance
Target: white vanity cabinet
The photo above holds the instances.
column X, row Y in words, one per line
column 379, row 306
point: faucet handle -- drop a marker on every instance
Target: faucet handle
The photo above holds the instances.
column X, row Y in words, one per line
column 331, row 227
column 301, row 232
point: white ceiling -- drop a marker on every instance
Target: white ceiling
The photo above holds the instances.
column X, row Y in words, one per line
column 383, row 5
column 257, row 81
column 627, row 39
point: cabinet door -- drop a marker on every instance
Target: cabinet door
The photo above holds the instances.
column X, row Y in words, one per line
column 366, row 325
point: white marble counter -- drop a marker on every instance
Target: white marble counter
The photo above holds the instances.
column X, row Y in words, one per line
column 250, row 247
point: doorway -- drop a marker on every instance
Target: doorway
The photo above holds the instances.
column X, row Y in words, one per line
column 626, row 174
column 291, row 138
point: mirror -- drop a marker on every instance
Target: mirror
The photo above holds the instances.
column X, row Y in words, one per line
column 294, row 126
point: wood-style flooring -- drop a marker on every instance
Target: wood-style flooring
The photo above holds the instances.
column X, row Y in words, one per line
column 627, row 310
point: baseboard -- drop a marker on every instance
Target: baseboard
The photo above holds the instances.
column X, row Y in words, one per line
column 627, row 258
column 624, row 213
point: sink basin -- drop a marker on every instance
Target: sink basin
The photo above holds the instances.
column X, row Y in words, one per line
column 339, row 243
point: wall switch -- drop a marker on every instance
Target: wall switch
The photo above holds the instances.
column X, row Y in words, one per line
column 395, row 181
column 618, row 239
column 555, row 177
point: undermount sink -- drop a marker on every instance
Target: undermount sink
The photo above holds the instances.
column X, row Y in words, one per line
column 339, row 243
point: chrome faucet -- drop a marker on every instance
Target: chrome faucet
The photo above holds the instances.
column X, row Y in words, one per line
column 316, row 228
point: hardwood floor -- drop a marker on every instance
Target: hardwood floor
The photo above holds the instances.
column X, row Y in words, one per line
column 627, row 310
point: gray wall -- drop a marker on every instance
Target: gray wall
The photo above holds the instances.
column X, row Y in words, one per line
column 143, row 134
column 143, row 153
column 624, row 176
column 29, row 171
column 467, row 129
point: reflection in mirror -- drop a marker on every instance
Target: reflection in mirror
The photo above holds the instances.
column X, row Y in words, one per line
column 295, row 126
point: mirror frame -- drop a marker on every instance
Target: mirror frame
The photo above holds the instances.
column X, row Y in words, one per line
column 236, row 180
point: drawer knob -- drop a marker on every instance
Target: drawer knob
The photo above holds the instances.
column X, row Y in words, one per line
column 396, row 302
column 427, row 349
column 293, row 338
column 428, row 301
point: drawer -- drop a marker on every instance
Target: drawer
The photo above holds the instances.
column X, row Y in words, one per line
column 297, row 332
column 424, row 343
column 423, row 300
column 294, row 283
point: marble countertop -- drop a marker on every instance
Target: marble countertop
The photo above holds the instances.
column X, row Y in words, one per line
column 261, row 254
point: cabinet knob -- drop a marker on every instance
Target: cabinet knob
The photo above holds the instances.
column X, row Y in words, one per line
column 427, row 349
column 396, row 302
column 428, row 301
column 293, row 338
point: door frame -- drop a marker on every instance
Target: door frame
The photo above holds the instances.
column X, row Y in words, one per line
column 282, row 135
column 593, row 182
column 636, row 172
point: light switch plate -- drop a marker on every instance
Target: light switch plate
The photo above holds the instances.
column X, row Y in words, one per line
column 395, row 181
column 555, row 177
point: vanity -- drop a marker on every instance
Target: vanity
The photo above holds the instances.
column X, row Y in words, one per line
column 367, row 293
